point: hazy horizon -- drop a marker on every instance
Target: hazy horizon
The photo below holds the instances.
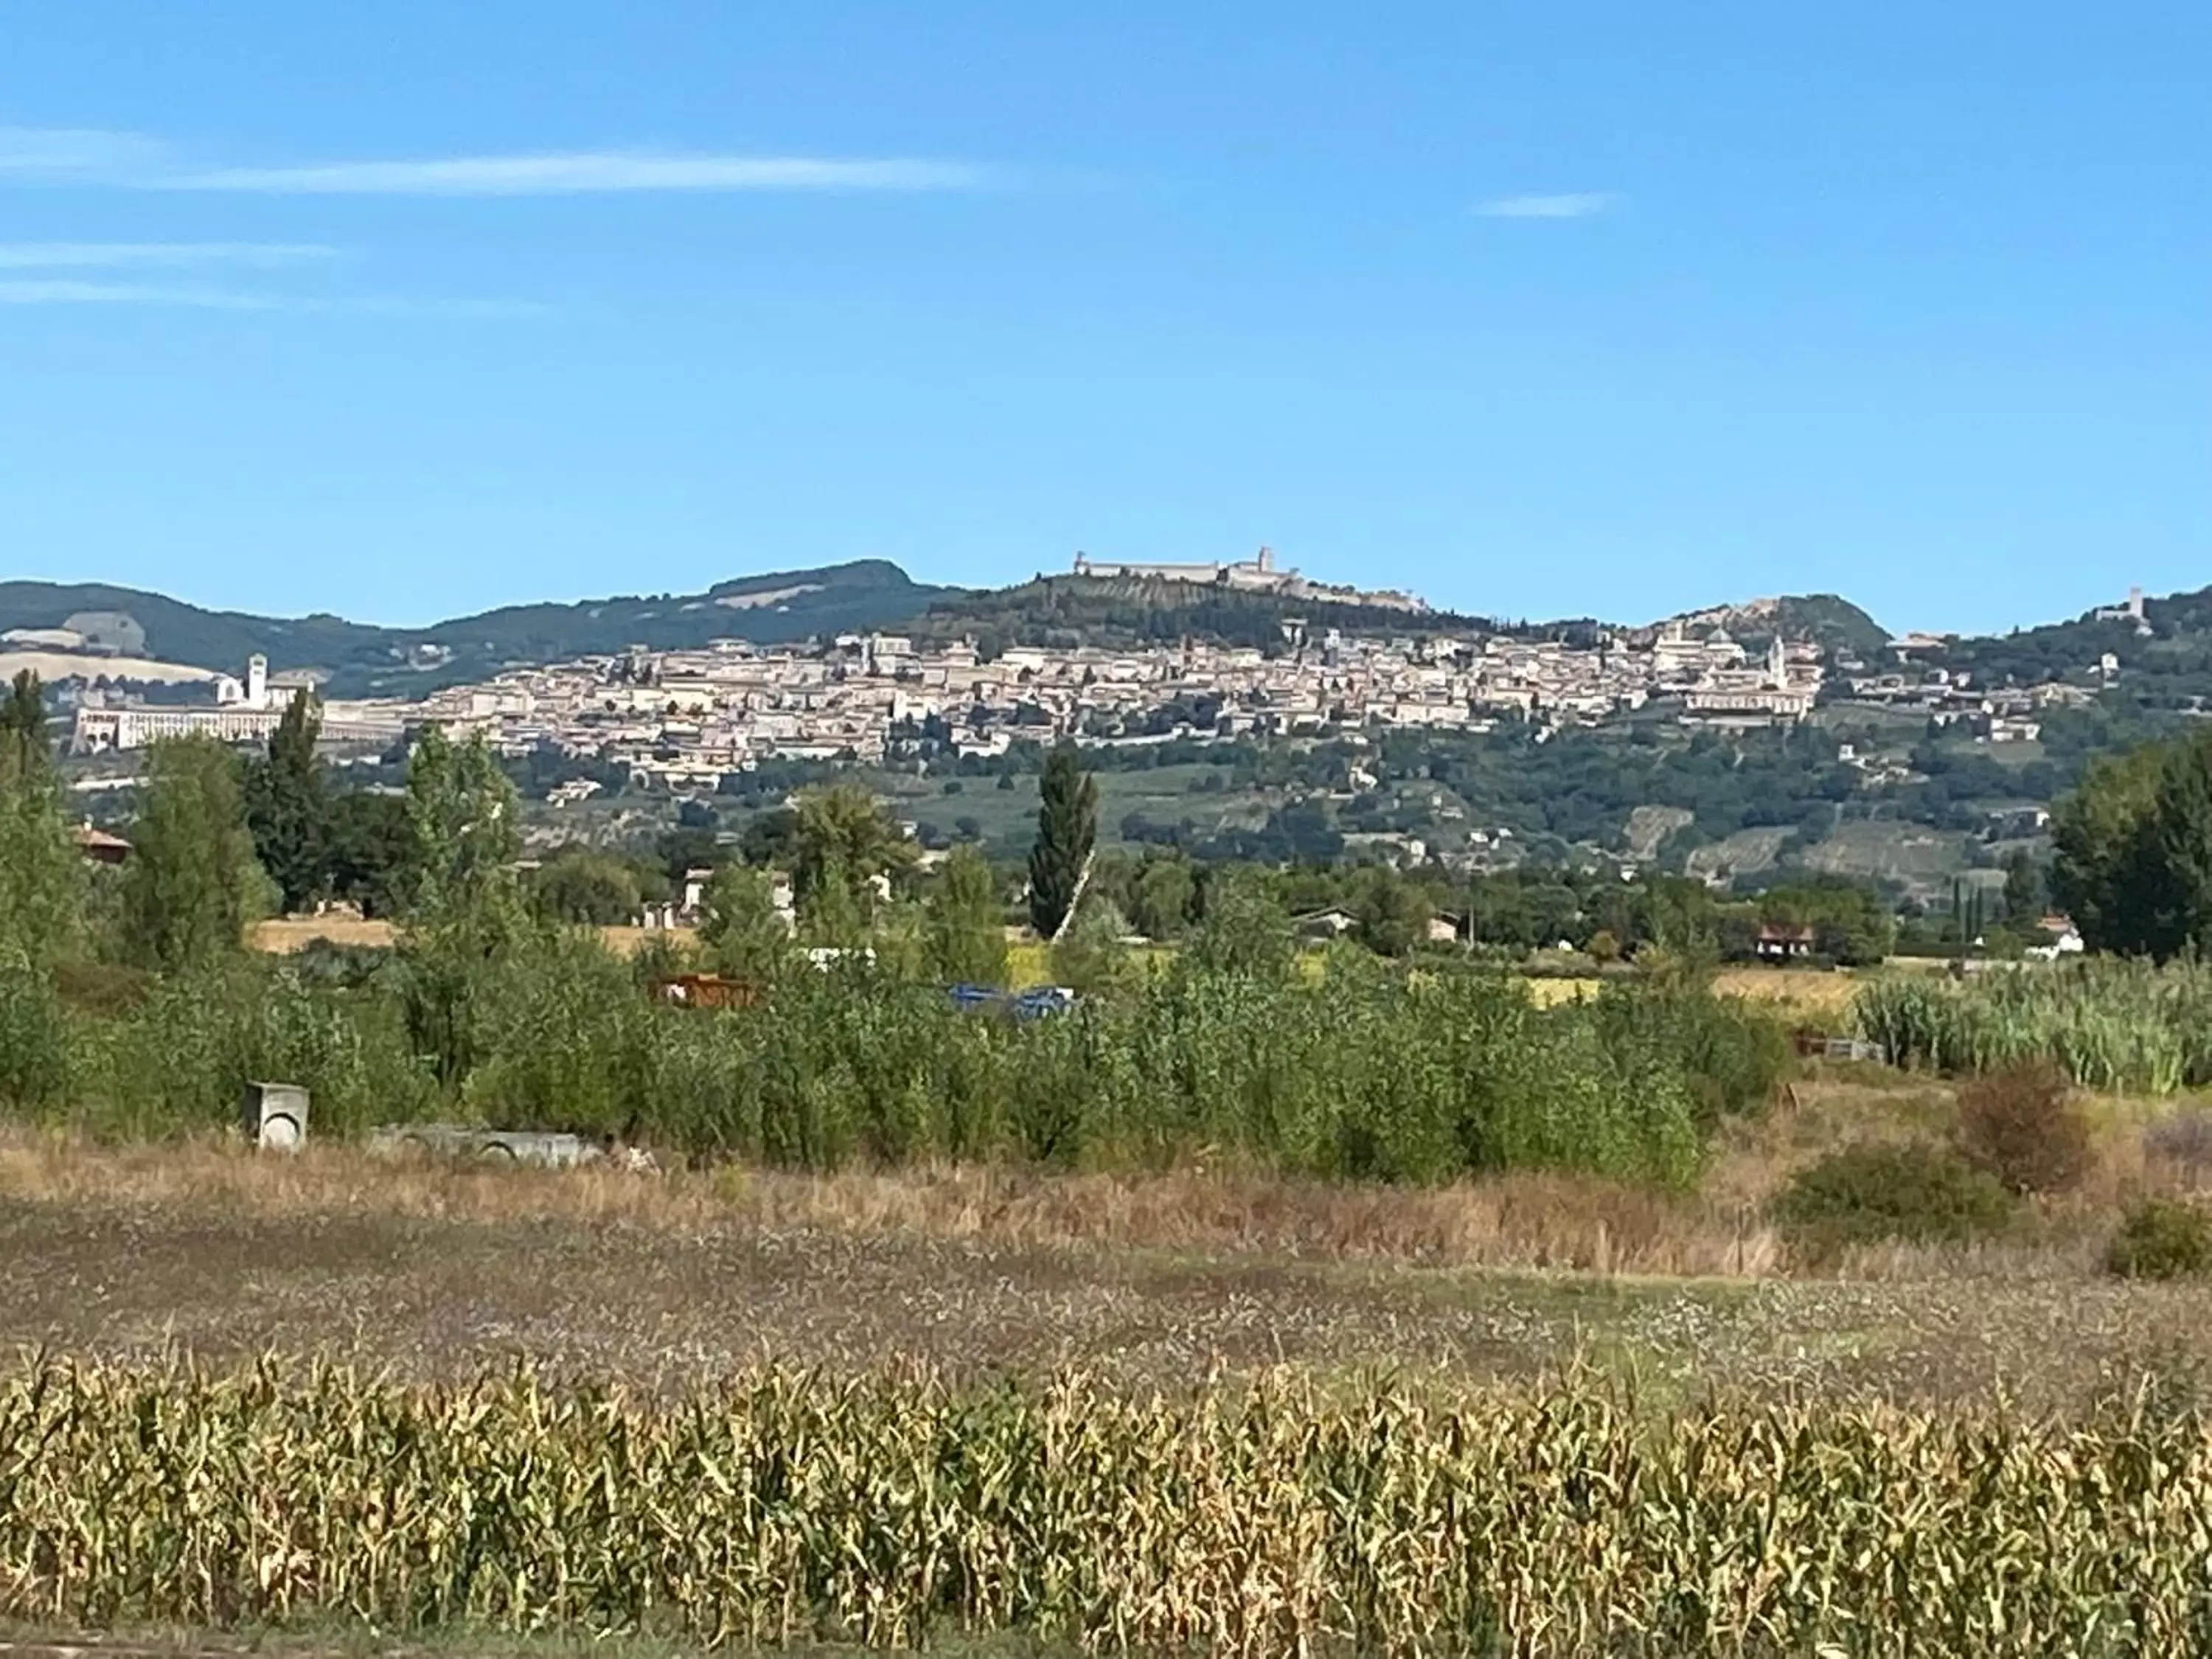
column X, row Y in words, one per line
column 1895, row 628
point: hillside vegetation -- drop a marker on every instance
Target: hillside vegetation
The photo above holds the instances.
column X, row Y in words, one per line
column 1132, row 611
column 1841, row 628
column 2168, row 667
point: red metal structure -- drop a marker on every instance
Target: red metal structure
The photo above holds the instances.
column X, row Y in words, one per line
column 707, row 991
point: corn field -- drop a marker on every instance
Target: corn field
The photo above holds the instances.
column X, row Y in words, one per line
column 1275, row 1518
column 2119, row 1027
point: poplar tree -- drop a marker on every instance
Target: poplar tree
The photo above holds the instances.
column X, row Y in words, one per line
column 286, row 808
column 466, row 826
column 841, row 840
column 465, row 914
column 41, row 872
column 191, row 884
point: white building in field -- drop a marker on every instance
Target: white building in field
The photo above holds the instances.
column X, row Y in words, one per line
column 246, row 711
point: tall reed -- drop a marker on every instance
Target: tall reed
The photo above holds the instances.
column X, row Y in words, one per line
column 2119, row 1027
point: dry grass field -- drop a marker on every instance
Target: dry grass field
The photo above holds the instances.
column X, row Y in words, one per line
column 1803, row 992
column 437, row 1268
column 282, row 935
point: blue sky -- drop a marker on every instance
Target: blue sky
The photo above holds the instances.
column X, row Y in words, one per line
column 408, row 309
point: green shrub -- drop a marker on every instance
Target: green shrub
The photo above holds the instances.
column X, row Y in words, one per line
column 556, row 1031
column 1876, row 1194
column 35, row 1046
column 2162, row 1238
column 103, row 989
column 1733, row 1056
column 177, row 1062
column 2022, row 1126
column 324, row 961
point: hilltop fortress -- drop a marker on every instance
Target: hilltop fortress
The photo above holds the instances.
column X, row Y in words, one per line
column 1254, row 575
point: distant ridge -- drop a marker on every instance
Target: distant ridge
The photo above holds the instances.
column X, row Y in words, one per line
column 2167, row 644
column 361, row 659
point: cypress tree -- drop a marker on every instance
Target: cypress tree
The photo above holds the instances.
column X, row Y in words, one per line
column 2181, row 839
column 23, row 722
column 1068, row 825
column 2023, row 891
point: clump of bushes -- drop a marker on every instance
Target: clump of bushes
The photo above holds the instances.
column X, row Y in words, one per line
column 2022, row 1126
column 1367, row 1072
column 1914, row 1195
column 2162, row 1238
column 174, row 1064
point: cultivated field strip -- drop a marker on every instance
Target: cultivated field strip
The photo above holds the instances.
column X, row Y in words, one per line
column 1286, row 1516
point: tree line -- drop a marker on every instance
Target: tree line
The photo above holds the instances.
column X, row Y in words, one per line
column 2132, row 861
column 130, row 1005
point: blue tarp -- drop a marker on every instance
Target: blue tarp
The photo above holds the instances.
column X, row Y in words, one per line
column 1031, row 1004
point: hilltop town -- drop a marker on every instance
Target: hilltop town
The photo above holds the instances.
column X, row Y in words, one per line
column 689, row 717
column 1236, row 710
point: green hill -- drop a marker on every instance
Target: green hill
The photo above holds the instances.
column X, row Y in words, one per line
column 2166, row 669
column 774, row 608
column 177, row 632
column 361, row 659
column 1127, row 611
column 2166, row 665
column 1840, row 627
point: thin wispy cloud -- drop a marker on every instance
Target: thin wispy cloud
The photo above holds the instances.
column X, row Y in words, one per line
column 56, row 154
column 65, row 292
column 125, row 161
column 112, row 256
column 1583, row 204
column 192, row 296
column 587, row 173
